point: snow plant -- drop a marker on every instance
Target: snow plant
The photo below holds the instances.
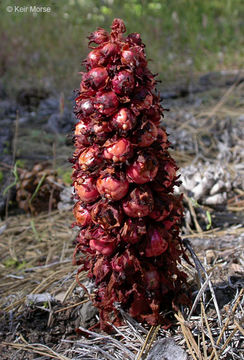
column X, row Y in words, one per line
column 124, row 178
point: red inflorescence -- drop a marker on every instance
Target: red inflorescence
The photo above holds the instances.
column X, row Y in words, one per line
column 124, row 180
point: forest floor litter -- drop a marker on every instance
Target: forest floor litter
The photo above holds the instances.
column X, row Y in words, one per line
column 45, row 313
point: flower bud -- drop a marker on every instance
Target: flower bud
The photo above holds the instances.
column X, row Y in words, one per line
column 139, row 202
column 156, row 242
column 143, row 169
column 112, row 186
column 82, row 214
column 118, row 151
column 106, row 102
column 86, row 189
column 123, row 83
column 124, row 120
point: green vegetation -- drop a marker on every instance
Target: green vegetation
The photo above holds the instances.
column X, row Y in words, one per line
column 207, row 212
column 10, row 262
column 209, row 225
column 65, row 175
column 21, row 164
column 183, row 37
column 16, row 179
column 33, row 227
column 37, row 188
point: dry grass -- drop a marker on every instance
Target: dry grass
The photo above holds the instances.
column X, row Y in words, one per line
column 36, row 257
column 41, row 248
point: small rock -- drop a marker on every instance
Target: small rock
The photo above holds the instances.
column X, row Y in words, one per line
column 166, row 349
column 217, row 199
column 66, row 199
column 60, row 296
column 208, row 184
column 39, row 298
column 7, row 109
column 218, row 187
column 87, row 314
column 47, row 107
column 61, row 123
column 202, row 188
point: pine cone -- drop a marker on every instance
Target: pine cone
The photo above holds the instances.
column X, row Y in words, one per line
column 38, row 190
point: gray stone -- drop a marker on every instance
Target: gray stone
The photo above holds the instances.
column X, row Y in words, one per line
column 87, row 314
column 37, row 299
column 66, row 198
column 166, row 349
column 7, row 108
column 61, row 122
column 47, row 107
column 207, row 183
